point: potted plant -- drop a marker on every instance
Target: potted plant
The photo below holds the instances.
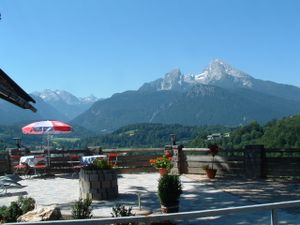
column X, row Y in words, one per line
column 163, row 164
column 169, row 191
column 120, row 210
column 82, row 209
column 209, row 169
column 98, row 164
column 98, row 181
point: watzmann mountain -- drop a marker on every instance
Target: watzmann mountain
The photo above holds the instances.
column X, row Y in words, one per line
column 220, row 74
column 220, row 95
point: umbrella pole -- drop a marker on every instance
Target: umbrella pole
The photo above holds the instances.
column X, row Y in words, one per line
column 48, row 149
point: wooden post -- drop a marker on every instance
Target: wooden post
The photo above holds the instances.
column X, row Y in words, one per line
column 254, row 156
column 9, row 164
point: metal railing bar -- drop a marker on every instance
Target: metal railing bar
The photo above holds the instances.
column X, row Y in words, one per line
column 177, row 216
column 274, row 217
column 133, row 150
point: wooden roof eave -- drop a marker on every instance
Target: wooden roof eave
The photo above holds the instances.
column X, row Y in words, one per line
column 13, row 93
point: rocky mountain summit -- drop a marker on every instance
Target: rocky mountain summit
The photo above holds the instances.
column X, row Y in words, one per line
column 222, row 74
column 217, row 73
column 52, row 96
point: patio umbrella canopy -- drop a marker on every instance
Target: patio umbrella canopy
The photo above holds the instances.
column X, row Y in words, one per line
column 47, row 127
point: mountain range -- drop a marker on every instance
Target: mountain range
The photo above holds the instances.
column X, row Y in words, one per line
column 66, row 103
column 51, row 105
column 219, row 95
column 221, row 74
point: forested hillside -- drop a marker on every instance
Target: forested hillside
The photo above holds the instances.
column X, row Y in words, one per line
column 284, row 133
column 151, row 135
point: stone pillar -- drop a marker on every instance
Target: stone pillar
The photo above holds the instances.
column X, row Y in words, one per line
column 177, row 159
column 254, row 156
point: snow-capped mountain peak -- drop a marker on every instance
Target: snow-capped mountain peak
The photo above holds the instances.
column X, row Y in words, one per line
column 64, row 96
column 220, row 72
column 217, row 73
column 65, row 102
column 89, row 99
column 57, row 96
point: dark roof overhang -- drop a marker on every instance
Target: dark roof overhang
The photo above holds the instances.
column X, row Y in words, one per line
column 13, row 93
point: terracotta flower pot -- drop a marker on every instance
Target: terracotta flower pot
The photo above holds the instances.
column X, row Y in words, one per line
column 211, row 173
column 163, row 171
column 169, row 208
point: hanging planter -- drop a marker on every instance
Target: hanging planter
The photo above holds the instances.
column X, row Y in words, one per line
column 209, row 169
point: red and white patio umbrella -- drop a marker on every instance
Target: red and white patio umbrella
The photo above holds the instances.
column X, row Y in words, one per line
column 47, row 127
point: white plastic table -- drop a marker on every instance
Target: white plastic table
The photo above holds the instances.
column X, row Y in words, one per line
column 31, row 160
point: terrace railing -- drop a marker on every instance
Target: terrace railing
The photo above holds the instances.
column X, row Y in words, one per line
column 183, row 216
column 228, row 163
column 282, row 162
column 127, row 160
column 62, row 161
column 253, row 162
column 134, row 160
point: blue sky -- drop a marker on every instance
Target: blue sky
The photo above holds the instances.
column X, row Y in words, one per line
column 104, row 47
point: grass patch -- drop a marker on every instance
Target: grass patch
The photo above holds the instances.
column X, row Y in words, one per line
column 71, row 140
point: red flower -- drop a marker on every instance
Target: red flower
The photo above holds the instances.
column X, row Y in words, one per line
column 152, row 161
column 162, row 162
column 168, row 154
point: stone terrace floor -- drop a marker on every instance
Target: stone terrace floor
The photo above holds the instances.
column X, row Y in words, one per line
column 199, row 193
